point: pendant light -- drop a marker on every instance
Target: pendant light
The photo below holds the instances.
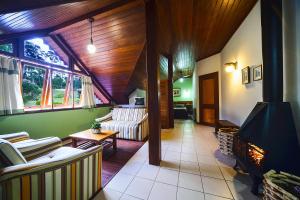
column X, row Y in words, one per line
column 91, row 47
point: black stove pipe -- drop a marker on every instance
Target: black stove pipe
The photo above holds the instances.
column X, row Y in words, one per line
column 271, row 23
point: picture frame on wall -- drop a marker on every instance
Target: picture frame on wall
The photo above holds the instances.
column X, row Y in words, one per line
column 246, row 75
column 176, row 92
column 257, row 73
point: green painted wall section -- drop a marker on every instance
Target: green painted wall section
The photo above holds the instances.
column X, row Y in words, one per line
column 186, row 89
column 59, row 123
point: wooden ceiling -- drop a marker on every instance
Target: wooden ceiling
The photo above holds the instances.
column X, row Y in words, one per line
column 195, row 29
column 189, row 30
column 47, row 17
column 119, row 36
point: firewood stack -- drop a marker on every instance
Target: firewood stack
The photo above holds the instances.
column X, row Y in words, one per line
column 281, row 185
column 225, row 137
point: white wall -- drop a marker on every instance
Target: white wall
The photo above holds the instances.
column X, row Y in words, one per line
column 291, row 56
column 137, row 93
column 205, row 66
column 245, row 47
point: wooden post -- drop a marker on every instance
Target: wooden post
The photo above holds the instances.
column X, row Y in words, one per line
column 170, row 89
column 152, row 85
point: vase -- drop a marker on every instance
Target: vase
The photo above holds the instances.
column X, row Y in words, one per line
column 96, row 131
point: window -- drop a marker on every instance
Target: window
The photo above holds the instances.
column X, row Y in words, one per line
column 77, row 86
column 62, row 90
column 7, row 48
column 38, row 50
column 32, row 86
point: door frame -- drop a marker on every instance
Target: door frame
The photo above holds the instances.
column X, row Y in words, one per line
column 215, row 76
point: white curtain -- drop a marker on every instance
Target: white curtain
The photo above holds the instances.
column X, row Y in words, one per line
column 88, row 100
column 11, row 100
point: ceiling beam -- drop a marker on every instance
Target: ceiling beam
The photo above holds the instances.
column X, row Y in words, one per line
column 62, row 43
column 12, row 6
column 45, row 32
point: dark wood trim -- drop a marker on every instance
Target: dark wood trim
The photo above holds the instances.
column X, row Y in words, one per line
column 55, row 110
column 152, row 85
column 47, row 31
column 215, row 76
column 170, row 91
column 63, row 44
column 11, row 6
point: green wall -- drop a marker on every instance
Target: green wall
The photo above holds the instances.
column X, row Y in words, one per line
column 59, row 123
column 186, row 89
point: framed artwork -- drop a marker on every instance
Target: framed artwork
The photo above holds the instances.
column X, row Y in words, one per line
column 176, row 92
column 257, row 73
column 246, row 75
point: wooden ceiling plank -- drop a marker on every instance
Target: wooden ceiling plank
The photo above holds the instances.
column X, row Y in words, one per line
column 11, row 6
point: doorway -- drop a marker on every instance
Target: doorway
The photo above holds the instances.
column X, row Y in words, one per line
column 209, row 99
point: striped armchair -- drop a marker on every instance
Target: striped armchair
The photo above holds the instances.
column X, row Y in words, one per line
column 62, row 173
column 132, row 123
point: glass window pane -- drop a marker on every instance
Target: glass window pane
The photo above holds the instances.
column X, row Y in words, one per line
column 62, row 90
column 39, row 50
column 32, row 86
column 77, row 90
column 8, row 48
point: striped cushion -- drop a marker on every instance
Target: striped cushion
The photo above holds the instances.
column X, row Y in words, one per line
column 36, row 147
column 128, row 114
column 15, row 137
column 9, row 155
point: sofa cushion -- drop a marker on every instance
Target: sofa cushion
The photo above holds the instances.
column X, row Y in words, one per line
column 15, row 137
column 128, row 114
column 34, row 144
column 58, row 155
column 9, row 155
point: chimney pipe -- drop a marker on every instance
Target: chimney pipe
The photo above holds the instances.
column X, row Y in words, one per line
column 271, row 23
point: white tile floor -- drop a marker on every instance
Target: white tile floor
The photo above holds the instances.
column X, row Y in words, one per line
column 192, row 168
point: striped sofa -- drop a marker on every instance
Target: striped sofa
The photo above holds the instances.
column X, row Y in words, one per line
column 132, row 123
column 59, row 173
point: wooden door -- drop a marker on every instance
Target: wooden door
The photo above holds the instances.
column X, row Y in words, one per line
column 209, row 98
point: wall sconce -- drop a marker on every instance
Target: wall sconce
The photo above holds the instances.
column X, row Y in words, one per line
column 230, row 66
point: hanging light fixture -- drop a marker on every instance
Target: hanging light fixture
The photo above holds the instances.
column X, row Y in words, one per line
column 91, row 47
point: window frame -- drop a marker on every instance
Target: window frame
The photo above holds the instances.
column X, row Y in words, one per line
column 18, row 53
column 21, row 55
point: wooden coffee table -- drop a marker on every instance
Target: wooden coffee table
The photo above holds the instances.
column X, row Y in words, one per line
column 90, row 138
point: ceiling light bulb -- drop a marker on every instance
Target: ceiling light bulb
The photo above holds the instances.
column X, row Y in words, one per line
column 181, row 80
column 91, row 48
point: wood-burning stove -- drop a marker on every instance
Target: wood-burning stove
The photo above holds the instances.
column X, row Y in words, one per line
column 268, row 138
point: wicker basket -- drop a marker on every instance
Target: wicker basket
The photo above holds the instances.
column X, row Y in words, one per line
column 225, row 137
column 273, row 190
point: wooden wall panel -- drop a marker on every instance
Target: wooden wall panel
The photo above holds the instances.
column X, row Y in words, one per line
column 164, row 104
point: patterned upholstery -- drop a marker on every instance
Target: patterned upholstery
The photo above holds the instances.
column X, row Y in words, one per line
column 33, row 148
column 9, row 155
column 15, row 137
column 132, row 123
column 65, row 173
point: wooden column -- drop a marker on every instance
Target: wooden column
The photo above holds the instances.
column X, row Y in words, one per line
column 170, row 89
column 152, row 85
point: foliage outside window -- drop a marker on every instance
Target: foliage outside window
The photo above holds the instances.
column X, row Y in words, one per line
column 32, row 86
column 62, row 90
column 37, row 49
column 77, row 87
column 8, row 48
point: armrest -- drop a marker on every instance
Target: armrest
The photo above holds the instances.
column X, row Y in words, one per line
column 15, row 137
column 144, row 119
column 40, row 167
column 105, row 118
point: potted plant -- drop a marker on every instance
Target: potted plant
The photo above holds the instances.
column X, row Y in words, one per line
column 96, row 127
